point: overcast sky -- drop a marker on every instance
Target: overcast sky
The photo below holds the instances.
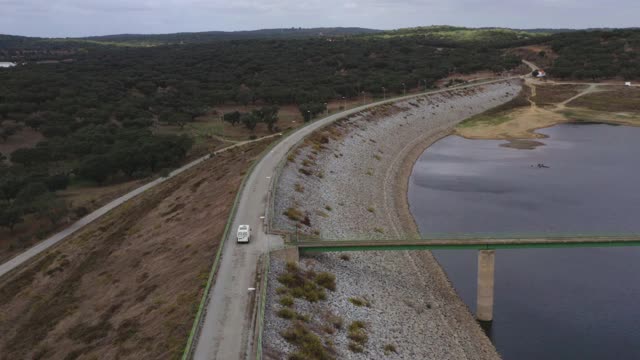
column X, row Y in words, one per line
column 60, row 18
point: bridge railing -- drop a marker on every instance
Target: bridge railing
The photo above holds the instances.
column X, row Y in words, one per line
column 468, row 241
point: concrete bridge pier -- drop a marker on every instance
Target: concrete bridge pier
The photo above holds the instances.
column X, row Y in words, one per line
column 486, row 265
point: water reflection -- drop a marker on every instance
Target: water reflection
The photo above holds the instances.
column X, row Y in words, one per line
column 549, row 304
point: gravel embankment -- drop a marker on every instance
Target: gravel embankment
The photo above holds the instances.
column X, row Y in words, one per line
column 349, row 180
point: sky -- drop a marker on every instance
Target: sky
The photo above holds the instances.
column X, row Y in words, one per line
column 72, row 18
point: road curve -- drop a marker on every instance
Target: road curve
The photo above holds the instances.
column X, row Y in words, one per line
column 28, row 254
column 226, row 332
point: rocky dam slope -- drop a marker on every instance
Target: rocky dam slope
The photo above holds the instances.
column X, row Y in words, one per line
column 349, row 181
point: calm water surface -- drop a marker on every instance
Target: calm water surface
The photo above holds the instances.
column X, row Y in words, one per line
column 549, row 303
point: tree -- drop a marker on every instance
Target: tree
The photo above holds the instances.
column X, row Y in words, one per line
column 244, row 96
column 29, row 156
column 57, row 182
column 7, row 130
column 10, row 215
column 11, row 182
column 249, row 120
column 130, row 159
column 51, row 207
column 310, row 110
column 180, row 119
column 268, row 115
column 97, row 168
column 233, row 117
column 28, row 195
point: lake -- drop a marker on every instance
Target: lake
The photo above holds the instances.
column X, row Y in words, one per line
column 549, row 303
column 6, row 64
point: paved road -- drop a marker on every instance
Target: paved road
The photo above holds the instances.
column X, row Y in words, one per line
column 53, row 240
column 226, row 332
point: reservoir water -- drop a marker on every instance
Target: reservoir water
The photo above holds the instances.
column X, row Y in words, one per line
column 549, row 303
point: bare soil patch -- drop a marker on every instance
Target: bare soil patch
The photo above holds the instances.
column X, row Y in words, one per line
column 24, row 138
column 127, row 286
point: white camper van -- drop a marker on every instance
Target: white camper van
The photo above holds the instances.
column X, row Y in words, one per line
column 244, row 233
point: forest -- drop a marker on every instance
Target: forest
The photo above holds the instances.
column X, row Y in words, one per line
column 97, row 109
column 597, row 54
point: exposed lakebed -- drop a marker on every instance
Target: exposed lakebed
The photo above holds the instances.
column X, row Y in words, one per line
column 549, row 303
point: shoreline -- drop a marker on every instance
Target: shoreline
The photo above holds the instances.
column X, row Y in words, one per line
column 461, row 312
column 364, row 196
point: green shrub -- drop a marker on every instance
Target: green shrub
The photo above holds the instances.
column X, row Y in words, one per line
column 292, row 267
column 359, row 302
column 326, row 280
column 355, row 347
column 336, row 321
column 389, row 348
column 286, row 313
column 286, row 301
column 357, row 333
column 309, row 345
column 282, row 290
column 294, row 214
column 299, row 283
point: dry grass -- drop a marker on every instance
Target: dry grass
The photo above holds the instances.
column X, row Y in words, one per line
column 309, row 345
column 358, row 335
column 357, row 301
column 286, row 301
column 128, row 285
column 497, row 115
column 618, row 100
column 553, row 94
column 306, row 285
column 389, row 348
column 294, row 214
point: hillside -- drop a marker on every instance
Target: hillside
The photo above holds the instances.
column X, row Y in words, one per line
column 36, row 48
column 208, row 36
column 86, row 111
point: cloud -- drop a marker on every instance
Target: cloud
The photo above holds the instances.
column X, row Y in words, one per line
column 96, row 17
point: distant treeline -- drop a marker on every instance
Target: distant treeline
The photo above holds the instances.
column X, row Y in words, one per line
column 597, row 54
column 96, row 111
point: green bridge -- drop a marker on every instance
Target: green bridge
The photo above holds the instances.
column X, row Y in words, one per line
column 470, row 241
column 485, row 244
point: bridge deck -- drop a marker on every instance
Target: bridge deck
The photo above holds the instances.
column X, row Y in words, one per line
column 465, row 243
